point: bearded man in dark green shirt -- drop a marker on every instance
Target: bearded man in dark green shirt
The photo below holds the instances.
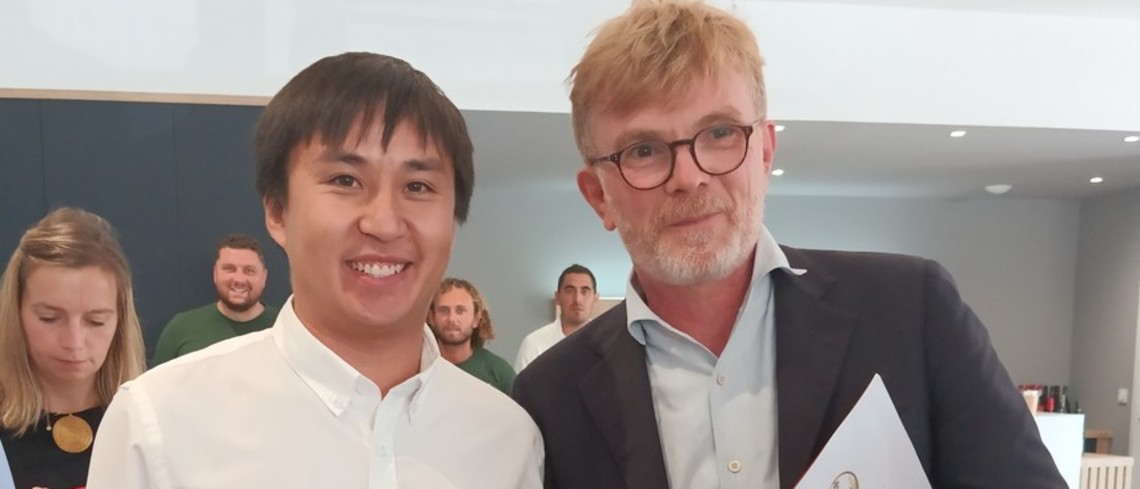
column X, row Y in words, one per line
column 239, row 277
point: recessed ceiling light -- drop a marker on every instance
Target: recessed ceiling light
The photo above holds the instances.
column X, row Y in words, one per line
column 780, row 128
column 957, row 134
column 998, row 189
column 1096, row 180
column 777, row 172
column 1131, row 139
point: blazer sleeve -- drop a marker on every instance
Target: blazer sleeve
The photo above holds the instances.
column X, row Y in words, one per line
column 983, row 435
column 521, row 393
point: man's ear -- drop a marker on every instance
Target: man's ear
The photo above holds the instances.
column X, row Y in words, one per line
column 769, row 140
column 590, row 184
column 275, row 221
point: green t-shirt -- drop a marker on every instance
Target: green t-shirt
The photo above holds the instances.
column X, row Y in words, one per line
column 490, row 368
column 198, row 328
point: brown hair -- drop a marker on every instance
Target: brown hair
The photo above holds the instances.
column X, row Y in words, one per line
column 240, row 242
column 656, row 51
column 330, row 96
column 71, row 238
column 483, row 332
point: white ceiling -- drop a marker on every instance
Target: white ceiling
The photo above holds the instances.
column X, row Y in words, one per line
column 910, row 160
column 1077, row 8
column 886, row 79
column 852, row 159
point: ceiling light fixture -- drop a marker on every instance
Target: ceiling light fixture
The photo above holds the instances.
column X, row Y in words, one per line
column 1131, row 139
column 957, row 134
column 1096, row 180
column 998, row 189
column 777, row 172
column 780, row 128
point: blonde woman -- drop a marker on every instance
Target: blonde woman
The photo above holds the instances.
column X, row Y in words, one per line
column 69, row 336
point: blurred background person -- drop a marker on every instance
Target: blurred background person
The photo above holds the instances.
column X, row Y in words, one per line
column 239, row 278
column 576, row 295
column 69, row 336
column 462, row 325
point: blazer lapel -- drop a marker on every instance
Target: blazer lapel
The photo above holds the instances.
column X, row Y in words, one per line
column 811, row 341
column 617, row 394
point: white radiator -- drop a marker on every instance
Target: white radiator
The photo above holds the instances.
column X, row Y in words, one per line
column 1100, row 471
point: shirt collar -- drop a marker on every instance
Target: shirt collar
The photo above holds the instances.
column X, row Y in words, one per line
column 333, row 380
column 769, row 257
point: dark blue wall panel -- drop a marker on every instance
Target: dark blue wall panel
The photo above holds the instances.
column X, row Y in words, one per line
column 172, row 179
column 217, row 196
column 21, row 172
column 117, row 160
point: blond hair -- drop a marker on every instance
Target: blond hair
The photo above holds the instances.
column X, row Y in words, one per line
column 657, row 51
column 483, row 331
column 71, row 238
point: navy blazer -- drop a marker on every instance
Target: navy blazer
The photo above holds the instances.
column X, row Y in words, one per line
column 852, row 315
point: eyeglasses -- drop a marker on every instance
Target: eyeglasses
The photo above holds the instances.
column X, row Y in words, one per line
column 716, row 150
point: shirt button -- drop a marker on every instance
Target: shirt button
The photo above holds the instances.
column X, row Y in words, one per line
column 721, row 379
column 734, row 466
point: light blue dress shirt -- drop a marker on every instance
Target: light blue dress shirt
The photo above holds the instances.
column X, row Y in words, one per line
column 5, row 471
column 717, row 416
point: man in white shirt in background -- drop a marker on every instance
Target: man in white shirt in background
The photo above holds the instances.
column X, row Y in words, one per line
column 576, row 295
column 365, row 172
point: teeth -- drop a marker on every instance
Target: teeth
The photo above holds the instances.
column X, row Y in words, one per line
column 378, row 270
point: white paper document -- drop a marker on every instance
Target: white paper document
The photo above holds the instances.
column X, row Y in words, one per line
column 870, row 450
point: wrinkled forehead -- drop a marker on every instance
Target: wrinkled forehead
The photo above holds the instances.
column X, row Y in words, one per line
column 677, row 92
column 680, row 107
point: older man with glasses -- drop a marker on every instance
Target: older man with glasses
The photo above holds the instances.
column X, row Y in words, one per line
column 733, row 359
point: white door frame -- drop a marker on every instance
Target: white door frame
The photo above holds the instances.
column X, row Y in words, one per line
column 1134, row 418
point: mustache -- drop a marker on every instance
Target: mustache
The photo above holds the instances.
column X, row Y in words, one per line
column 688, row 207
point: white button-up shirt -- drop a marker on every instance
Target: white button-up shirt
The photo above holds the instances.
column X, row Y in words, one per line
column 717, row 416
column 537, row 342
column 278, row 409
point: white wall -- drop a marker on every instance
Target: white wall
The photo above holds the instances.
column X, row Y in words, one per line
column 516, row 242
column 1104, row 336
column 1014, row 260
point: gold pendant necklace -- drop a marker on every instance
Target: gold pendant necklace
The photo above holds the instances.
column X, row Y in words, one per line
column 71, row 433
